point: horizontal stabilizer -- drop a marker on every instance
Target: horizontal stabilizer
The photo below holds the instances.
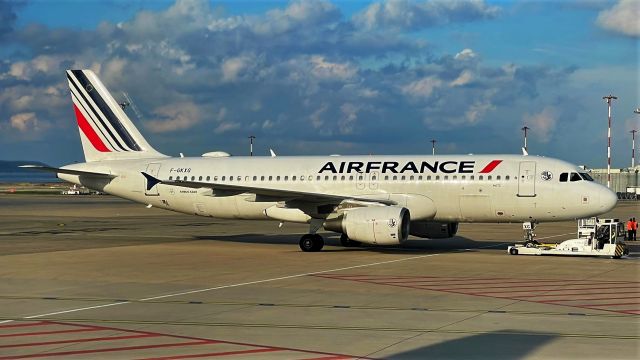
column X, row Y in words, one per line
column 67, row 171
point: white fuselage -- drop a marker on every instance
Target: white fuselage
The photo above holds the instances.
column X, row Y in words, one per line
column 456, row 188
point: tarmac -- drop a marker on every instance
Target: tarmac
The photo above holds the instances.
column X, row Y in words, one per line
column 96, row 277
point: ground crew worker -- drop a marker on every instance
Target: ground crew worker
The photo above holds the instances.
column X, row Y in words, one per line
column 630, row 229
column 635, row 228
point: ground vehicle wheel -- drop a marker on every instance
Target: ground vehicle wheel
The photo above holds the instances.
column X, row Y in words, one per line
column 513, row 251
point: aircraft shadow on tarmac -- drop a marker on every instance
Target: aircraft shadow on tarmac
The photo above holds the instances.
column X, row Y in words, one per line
column 456, row 243
column 505, row 344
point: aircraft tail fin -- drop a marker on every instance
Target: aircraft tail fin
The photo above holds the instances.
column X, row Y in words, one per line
column 106, row 131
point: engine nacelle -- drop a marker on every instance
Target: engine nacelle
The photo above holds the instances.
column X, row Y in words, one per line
column 384, row 225
column 433, row 229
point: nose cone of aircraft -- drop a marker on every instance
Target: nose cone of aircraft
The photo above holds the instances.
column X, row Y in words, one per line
column 608, row 200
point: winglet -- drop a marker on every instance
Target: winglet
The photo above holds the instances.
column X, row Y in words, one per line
column 151, row 181
column 273, row 154
column 525, row 152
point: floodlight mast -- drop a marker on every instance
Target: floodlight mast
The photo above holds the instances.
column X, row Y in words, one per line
column 609, row 99
column 633, row 142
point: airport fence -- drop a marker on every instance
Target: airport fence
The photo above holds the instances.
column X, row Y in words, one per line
column 625, row 183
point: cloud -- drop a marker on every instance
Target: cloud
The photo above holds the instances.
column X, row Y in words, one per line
column 174, row 117
column 542, row 124
column 25, row 122
column 623, row 18
column 422, row 88
column 465, row 78
column 8, row 16
column 465, row 54
column 410, row 15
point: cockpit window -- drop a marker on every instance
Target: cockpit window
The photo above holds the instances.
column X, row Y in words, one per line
column 575, row 177
column 564, row 177
column 586, row 176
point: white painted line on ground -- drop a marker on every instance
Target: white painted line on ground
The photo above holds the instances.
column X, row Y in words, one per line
column 286, row 277
column 76, row 310
column 246, row 283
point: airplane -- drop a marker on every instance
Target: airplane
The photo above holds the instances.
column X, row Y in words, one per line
column 368, row 199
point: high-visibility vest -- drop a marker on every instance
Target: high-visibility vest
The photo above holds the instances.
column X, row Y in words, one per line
column 634, row 225
column 629, row 225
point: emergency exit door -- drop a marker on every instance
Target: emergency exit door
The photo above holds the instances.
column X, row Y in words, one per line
column 527, row 179
column 152, row 169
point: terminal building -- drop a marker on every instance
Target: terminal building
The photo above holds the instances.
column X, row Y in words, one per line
column 625, row 182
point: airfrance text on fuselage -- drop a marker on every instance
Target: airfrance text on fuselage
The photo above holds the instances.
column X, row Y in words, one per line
column 445, row 167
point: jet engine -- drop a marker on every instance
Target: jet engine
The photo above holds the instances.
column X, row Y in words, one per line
column 433, row 229
column 387, row 225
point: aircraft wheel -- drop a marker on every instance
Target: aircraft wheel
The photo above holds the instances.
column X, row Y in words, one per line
column 513, row 251
column 311, row 242
column 346, row 242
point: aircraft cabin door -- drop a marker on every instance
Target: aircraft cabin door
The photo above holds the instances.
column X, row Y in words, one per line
column 527, row 179
column 152, row 169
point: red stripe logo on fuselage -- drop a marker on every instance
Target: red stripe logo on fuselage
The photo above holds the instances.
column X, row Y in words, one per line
column 490, row 166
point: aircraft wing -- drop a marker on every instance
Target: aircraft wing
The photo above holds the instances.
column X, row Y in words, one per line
column 67, row 171
column 269, row 194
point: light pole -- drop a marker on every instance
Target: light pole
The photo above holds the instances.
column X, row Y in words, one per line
column 633, row 142
column 433, row 147
column 251, row 145
column 608, row 98
column 525, row 128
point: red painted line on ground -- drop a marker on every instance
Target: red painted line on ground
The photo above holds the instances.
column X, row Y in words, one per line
column 577, row 294
column 111, row 338
column 550, row 286
column 605, row 305
column 49, row 332
column 39, row 323
column 214, row 354
column 93, row 351
column 544, row 290
column 632, row 312
column 339, row 357
column 582, row 299
column 201, row 339
column 485, row 281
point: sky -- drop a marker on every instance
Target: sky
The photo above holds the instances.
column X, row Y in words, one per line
column 328, row 77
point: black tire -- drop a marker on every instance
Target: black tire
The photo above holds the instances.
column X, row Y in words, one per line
column 513, row 251
column 346, row 242
column 319, row 242
column 311, row 243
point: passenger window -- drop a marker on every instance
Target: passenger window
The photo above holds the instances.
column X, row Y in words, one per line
column 335, row 177
column 480, row 177
column 342, row 178
column 564, row 177
column 200, row 178
column 326, row 178
column 193, row 178
column 170, row 177
column 286, row 178
column 429, row 177
column 311, row 177
column 575, row 177
column 351, row 178
column 293, row 178
column 278, row 178
column 472, row 177
column 437, row 177
column 374, row 178
column 455, row 177
column 489, row 177
column 506, row 177
column 360, row 177
column 215, row 178
column 386, row 178
column 301, row 178
column 395, row 177
column 403, row 177
column 446, row 177
column 318, row 178
column 261, row 178
column 420, row 177
column 270, row 178
column 463, row 177
column 411, row 177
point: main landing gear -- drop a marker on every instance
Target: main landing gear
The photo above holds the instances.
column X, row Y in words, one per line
column 346, row 242
column 312, row 242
